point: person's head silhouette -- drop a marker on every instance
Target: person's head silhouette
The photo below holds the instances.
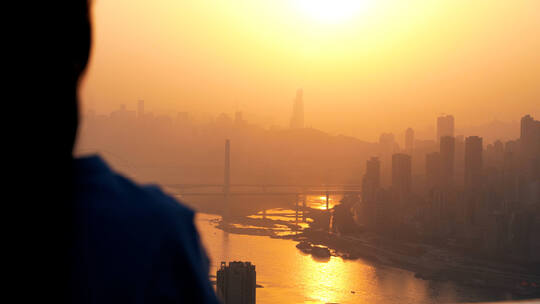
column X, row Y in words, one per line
column 73, row 50
column 59, row 38
column 77, row 215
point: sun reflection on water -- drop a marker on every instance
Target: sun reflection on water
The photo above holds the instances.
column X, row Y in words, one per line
column 319, row 202
column 328, row 282
column 290, row 276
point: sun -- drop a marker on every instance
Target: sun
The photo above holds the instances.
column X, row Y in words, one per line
column 332, row 11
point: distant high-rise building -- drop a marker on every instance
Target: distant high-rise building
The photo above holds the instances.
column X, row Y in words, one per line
column 473, row 162
column 297, row 119
column 447, row 150
column 498, row 149
column 530, row 137
column 401, row 174
column 445, row 126
column 373, row 171
column 529, row 142
column 387, row 147
column 510, row 176
column 372, row 179
column 236, row 283
column 529, row 127
column 433, row 170
column 409, row 140
column 140, row 109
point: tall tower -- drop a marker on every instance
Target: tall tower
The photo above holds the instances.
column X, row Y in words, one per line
column 372, row 179
column 297, row 119
column 473, row 162
column 409, row 140
column 227, row 173
column 447, row 150
column 445, row 126
column 401, row 174
column 433, row 171
column 530, row 136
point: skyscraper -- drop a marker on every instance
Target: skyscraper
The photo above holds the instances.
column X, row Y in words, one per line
column 433, row 171
column 447, row 150
column 387, row 147
column 473, row 162
column 401, row 174
column 409, row 140
column 297, row 119
column 372, row 179
column 373, row 171
column 530, row 136
column 445, row 126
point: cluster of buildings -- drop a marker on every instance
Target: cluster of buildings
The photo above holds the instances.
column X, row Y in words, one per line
column 480, row 199
column 123, row 115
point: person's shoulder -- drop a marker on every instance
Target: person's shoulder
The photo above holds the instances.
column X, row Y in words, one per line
column 152, row 200
column 107, row 194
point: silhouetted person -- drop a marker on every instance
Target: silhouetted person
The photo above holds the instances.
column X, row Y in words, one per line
column 84, row 233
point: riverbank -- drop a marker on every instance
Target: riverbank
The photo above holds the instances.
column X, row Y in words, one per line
column 427, row 262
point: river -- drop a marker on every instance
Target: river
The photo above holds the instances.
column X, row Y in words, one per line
column 289, row 276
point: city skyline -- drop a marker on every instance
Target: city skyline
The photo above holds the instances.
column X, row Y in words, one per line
column 403, row 137
column 479, row 67
column 450, row 199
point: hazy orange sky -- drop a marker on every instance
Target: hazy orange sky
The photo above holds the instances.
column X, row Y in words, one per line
column 366, row 66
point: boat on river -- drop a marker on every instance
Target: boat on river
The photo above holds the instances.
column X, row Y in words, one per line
column 304, row 246
column 320, row 251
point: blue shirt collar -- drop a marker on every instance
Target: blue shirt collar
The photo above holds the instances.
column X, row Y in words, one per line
column 91, row 165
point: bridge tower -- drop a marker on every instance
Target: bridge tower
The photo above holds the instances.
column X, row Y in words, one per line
column 227, row 181
column 227, row 177
column 304, row 195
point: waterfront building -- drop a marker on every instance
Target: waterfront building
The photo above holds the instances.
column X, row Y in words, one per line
column 372, row 180
column 530, row 148
column 401, row 174
column 473, row 181
column 473, row 163
column 433, row 171
column 530, row 135
column 447, row 151
column 236, row 283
